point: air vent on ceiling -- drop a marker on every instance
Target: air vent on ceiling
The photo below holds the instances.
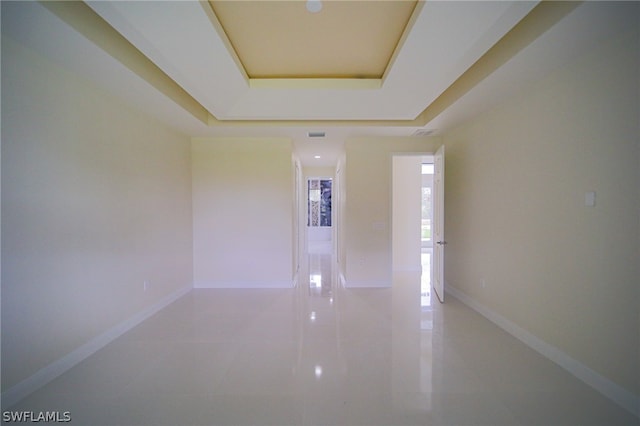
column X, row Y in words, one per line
column 423, row 132
column 316, row 134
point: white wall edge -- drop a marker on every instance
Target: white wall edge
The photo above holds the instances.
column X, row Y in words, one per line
column 29, row 385
column 343, row 280
column 606, row 387
column 246, row 284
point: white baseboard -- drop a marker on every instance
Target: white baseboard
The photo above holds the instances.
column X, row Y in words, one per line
column 414, row 268
column 366, row 284
column 243, row 284
column 611, row 390
column 19, row 391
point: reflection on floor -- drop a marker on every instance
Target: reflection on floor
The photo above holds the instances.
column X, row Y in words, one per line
column 425, row 278
column 321, row 354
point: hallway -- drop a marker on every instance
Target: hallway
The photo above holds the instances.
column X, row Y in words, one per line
column 321, row 354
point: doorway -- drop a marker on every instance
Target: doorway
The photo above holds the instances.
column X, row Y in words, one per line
column 319, row 214
column 426, row 231
column 415, row 224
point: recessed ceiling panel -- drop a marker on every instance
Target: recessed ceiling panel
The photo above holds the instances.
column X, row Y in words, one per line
column 345, row 39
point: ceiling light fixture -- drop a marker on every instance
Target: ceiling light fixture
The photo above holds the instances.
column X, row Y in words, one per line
column 314, row 6
column 317, row 157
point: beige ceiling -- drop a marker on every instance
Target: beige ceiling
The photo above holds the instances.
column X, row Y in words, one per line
column 346, row 39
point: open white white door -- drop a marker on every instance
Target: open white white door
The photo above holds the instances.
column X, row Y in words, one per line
column 438, row 224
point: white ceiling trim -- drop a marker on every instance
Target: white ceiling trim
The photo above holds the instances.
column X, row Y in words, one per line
column 179, row 38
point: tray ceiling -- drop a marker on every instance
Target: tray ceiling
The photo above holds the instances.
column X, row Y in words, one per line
column 174, row 60
column 443, row 41
column 345, row 39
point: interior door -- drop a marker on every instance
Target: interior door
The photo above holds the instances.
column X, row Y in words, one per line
column 438, row 224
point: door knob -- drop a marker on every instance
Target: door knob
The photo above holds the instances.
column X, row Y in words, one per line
column 441, row 243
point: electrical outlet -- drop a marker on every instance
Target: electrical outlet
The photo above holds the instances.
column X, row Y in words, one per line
column 484, row 283
column 145, row 285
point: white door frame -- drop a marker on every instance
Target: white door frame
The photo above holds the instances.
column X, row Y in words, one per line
column 439, row 241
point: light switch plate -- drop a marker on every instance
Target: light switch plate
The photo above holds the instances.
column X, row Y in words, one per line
column 590, row 199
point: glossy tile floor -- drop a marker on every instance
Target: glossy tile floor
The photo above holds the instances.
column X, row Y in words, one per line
column 321, row 355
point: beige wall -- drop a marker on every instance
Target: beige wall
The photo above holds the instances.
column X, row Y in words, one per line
column 406, row 212
column 310, row 172
column 516, row 217
column 243, row 195
column 298, row 222
column 96, row 200
column 341, row 213
column 367, row 221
